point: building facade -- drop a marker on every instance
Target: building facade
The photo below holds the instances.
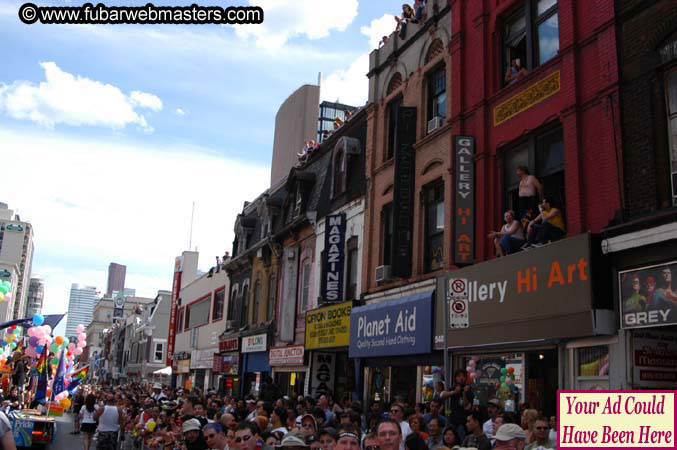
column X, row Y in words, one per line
column 81, row 303
column 116, row 278
column 35, row 298
column 16, row 249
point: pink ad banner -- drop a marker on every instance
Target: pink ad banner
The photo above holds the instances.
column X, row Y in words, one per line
column 616, row 419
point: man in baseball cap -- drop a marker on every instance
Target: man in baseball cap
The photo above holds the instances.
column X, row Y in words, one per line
column 510, row 436
column 192, row 433
column 293, row 441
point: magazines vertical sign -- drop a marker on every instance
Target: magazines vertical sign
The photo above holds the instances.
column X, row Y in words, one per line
column 464, row 200
column 334, row 257
column 176, row 288
column 403, row 192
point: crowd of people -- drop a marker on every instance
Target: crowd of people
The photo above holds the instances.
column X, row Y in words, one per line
column 152, row 417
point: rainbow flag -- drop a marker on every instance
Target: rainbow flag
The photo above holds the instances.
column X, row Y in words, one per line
column 41, row 392
column 77, row 377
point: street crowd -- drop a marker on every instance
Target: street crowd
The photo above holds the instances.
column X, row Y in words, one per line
column 142, row 416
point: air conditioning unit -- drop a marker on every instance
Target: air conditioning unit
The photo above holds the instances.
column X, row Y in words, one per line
column 435, row 123
column 350, row 145
column 382, row 273
column 230, row 324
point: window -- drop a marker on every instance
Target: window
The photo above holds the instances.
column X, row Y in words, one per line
column 219, row 297
column 339, row 174
column 437, row 93
column 352, row 268
column 531, row 35
column 231, row 304
column 592, row 367
column 387, row 233
column 305, row 284
column 179, row 320
column 393, row 108
column 433, row 196
column 272, row 287
column 244, row 320
column 197, row 314
column 159, row 352
column 671, row 100
column 257, row 302
column 543, row 155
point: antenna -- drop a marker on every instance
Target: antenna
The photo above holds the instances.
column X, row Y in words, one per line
column 192, row 215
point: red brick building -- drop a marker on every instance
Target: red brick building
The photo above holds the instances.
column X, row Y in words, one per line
column 451, row 116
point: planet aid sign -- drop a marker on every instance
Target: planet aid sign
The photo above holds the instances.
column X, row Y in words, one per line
column 329, row 326
column 395, row 327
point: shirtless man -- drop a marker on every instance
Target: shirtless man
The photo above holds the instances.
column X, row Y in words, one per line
column 530, row 190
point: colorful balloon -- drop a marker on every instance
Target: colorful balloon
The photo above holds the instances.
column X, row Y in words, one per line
column 511, row 370
column 38, row 319
column 59, row 340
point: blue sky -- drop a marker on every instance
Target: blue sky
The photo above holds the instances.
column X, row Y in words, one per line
column 109, row 133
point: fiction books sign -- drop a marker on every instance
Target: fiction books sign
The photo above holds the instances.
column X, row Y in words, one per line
column 334, row 257
column 464, row 200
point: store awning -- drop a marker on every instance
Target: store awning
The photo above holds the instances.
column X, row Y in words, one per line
column 166, row 371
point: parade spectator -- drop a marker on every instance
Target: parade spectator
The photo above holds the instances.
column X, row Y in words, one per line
column 435, row 408
column 476, row 437
column 515, row 72
column 389, row 435
column 158, row 395
column 547, row 226
column 215, row 437
column 370, row 442
column 416, row 423
column 348, row 438
column 327, row 439
column 510, row 436
column 292, row 441
column 397, row 414
column 109, row 417
column 436, row 438
column 450, row 437
column 541, row 435
column 530, row 190
column 528, row 422
column 88, row 421
column 308, row 425
column 511, row 237
column 279, row 420
column 192, row 435
column 415, row 442
column 6, row 435
column 323, row 403
column 247, row 436
column 493, row 409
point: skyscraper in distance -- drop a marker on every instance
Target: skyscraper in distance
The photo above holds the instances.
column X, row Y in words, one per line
column 36, row 294
column 81, row 305
column 116, row 278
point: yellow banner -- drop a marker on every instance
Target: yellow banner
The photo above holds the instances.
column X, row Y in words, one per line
column 328, row 326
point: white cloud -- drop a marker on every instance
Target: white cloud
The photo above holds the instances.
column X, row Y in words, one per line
column 349, row 86
column 144, row 100
column 179, row 112
column 283, row 20
column 383, row 26
column 64, row 98
column 94, row 201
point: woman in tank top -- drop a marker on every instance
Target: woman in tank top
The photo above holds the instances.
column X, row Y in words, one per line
column 88, row 420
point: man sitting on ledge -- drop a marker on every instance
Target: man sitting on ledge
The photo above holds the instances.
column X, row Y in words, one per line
column 547, row 226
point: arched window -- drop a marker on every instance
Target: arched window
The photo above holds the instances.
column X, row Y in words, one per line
column 339, row 173
column 395, row 82
column 305, row 284
column 231, row 303
column 245, row 305
column 257, row 302
column 272, row 290
column 435, row 49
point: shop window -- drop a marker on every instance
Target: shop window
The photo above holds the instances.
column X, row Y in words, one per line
column 352, row 250
column 257, row 302
column 530, row 37
column 433, row 196
column 543, row 155
column 387, row 233
column 437, row 94
column 305, row 284
column 217, row 313
column 244, row 319
column 197, row 314
column 272, row 288
column 393, row 108
column 671, row 106
column 231, row 304
column 592, row 367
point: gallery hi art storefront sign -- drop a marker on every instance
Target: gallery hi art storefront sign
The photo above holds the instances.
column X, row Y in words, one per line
column 536, row 294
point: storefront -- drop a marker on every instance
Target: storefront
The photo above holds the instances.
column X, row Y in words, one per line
column 255, row 362
column 327, row 340
column 201, row 365
column 392, row 341
column 227, row 366
column 289, row 369
column 181, row 367
column 645, row 270
column 512, row 321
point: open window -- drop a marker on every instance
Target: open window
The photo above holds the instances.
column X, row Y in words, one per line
column 433, row 197
column 392, row 109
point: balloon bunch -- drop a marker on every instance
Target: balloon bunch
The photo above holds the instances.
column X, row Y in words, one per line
column 507, row 381
column 9, row 342
column 5, row 291
column 473, row 373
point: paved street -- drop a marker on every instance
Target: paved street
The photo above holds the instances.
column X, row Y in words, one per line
column 64, row 440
